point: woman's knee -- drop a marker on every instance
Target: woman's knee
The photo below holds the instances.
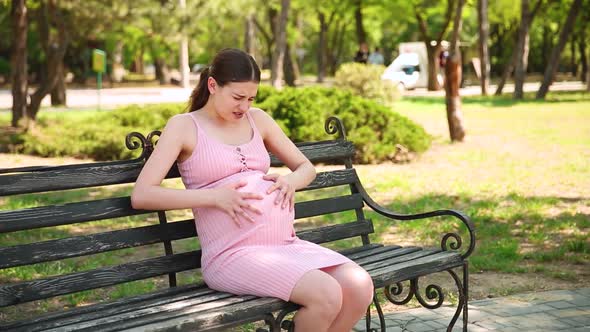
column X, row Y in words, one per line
column 319, row 292
column 356, row 284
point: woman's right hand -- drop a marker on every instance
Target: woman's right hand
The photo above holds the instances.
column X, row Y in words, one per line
column 234, row 202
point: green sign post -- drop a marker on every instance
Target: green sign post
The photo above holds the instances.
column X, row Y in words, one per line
column 99, row 65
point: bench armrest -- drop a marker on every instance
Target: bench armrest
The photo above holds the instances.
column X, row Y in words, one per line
column 445, row 245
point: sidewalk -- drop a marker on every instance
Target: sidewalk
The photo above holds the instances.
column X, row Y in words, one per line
column 110, row 98
column 567, row 310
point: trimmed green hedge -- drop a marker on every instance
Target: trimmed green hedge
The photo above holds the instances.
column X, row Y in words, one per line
column 375, row 129
column 301, row 112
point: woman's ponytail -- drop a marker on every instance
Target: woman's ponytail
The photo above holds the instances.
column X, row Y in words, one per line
column 200, row 94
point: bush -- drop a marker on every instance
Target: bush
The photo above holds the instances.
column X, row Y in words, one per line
column 100, row 136
column 301, row 112
column 365, row 81
column 374, row 128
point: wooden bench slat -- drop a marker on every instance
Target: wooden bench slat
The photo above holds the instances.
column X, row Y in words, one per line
column 328, row 205
column 38, row 252
column 429, row 264
column 336, row 232
column 387, row 255
column 46, row 216
column 211, row 318
column 333, row 178
column 102, row 242
column 354, row 250
column 43, row 288
column 74, row 282
column 121, row 318
column 91, row 175
column 372, row 251
column 69, row 177
column 323, row 151
column 402, row 255
column 94, row 311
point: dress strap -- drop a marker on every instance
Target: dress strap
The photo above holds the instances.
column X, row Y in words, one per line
column 190, row 114
column 252, row 124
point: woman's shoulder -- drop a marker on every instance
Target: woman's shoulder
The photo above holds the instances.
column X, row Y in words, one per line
column 262, row 119
column 260, row 116
column 180, row 121
column 179, row 125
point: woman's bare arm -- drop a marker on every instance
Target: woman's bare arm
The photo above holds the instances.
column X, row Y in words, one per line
column 148, row 192
column 303, row 171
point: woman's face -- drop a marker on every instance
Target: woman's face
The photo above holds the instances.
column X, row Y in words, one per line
column 232, row 100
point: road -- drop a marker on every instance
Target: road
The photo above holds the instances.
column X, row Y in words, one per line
column 109, row 98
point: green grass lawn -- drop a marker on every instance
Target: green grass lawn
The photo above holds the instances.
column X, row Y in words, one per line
column 522, row 174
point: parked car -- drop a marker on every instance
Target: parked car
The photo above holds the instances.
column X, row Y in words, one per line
column 404, row 71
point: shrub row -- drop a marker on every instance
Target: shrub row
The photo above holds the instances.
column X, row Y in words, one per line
column 300, row 112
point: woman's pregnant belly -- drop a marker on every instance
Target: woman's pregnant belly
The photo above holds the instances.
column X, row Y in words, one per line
column 274, row 225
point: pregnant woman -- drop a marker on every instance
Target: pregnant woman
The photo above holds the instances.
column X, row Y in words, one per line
column 244, row 216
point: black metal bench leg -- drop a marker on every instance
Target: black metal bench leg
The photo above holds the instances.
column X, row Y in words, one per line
column 463, row 288
column 466, row 294
column 379, row 312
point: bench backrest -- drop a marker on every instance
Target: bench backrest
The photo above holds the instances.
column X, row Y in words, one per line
column 45, row 223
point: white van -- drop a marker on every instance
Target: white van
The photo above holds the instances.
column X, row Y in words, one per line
column 410, row 69
column 405, row 71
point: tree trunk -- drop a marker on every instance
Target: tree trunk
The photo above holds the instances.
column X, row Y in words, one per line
column 280, row 46
column 433, row 51
column 361, row 35
column 573, row 65
column 289, row 67
column 546, row 45
column 583, row 58
column 268, row 37
column 484, row 30
column 54, row 48
column 509, row 67
column 183, row 61
column 433, row 65
column 322, row 47
column 162, row 72
column 556, row 53
column 522, row 49
column 250, row 36
column 19, row 63
column 118, row 70
column 58, row 94
column 453, row 80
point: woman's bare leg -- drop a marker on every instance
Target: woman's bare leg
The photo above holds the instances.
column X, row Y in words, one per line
column 357, row 295
column 320, row 297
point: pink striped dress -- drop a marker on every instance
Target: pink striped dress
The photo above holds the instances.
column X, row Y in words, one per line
column 264, row 258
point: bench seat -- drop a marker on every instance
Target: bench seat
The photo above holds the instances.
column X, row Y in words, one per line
column 176, row 308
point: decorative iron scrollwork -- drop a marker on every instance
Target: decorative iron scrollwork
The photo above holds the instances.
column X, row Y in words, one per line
column 334, row 125
column 278, row 323
column 394, row 290
column 432, row 293
column 135, row 140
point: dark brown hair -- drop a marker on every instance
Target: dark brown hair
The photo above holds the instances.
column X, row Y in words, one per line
column 229, row 65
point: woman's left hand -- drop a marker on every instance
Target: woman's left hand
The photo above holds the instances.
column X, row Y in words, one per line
column 286, row 194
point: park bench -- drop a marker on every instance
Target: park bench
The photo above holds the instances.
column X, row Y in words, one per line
column 192, row 306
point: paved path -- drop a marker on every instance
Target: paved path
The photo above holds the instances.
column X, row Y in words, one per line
column 567, row 310
column 110, row 98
